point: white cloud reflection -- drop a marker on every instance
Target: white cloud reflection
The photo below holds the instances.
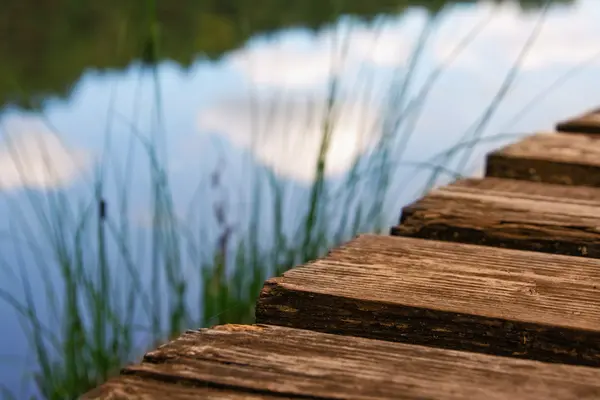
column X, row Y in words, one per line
column 570, row 35
column 288, row 140
column 296, row 64
column 298, row 60
column 300, row 65
column 32, row 156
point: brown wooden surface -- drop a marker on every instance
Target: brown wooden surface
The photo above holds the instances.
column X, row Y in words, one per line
column 588, row 122
column 560, row 158
column 134, row 387
column 527, row 189
column 256, row 362
column 509, row 213
column 450, row 295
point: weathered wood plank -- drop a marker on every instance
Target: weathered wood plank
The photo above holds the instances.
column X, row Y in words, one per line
column 512, row 187
column 260, row 361
column 450, row 295
column 509, row 213
column 132, row 387
column 560, row 158
column 588, row 122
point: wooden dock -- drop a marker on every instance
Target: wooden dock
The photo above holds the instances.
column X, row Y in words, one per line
column 486, row 289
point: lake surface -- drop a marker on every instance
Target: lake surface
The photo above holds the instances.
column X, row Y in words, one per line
column 233, row 92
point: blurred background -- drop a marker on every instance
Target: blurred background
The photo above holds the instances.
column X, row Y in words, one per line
column 160, row 160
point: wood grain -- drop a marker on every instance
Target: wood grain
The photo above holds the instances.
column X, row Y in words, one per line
column 509, row 213
column 559, row 158
column 450, row 295
column 133, row 387
column 588, row 122
column 512, row 187
column 254, row 362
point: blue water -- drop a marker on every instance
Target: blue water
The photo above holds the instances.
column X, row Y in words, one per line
column 208, row 112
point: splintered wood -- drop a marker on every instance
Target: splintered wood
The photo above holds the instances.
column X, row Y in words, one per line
column 585, row 123
column 449, row 295
column 508, row 213
column 268, row 362
column 560, row 158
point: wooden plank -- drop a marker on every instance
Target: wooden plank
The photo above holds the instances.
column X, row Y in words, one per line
column 133, row 387
column 559, row 158
column 509, row 213
column 526, row 189
column 588, row 122
column 465, row 297
column 263, row 361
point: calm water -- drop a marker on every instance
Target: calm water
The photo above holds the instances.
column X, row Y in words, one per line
column 241, row 89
